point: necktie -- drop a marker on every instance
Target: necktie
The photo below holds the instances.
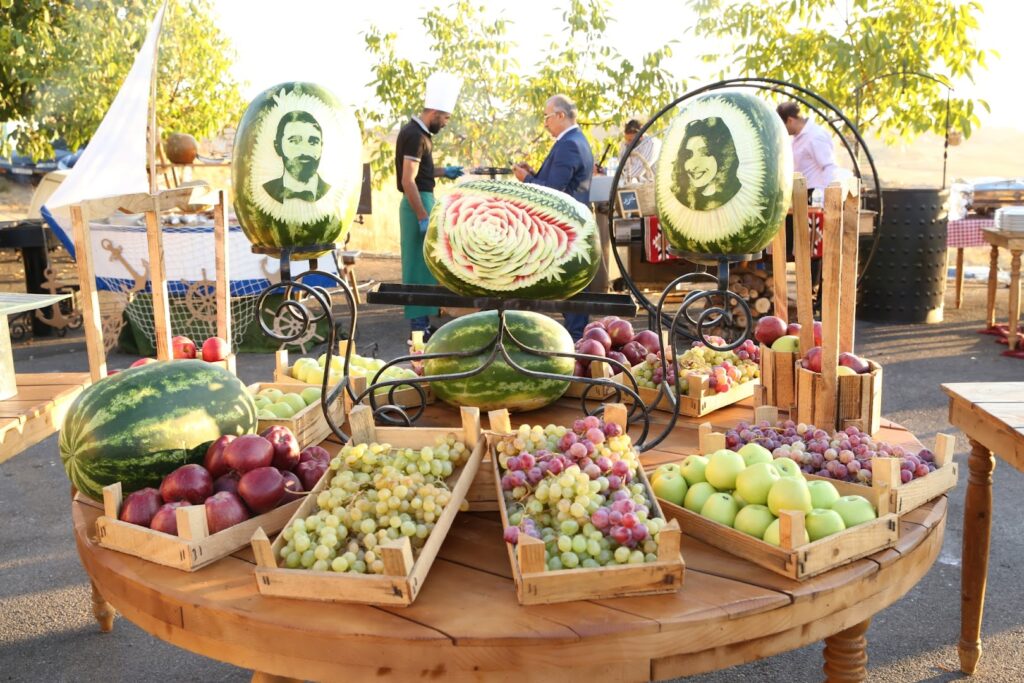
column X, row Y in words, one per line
column 305, row 195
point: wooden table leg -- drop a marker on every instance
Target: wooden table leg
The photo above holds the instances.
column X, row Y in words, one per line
column 846, row 655
column 993, row 282
column 8, row 381
column 974, row 558
column 260, row 677
column 959, row 277
column 1014, row 299
column 102, row 610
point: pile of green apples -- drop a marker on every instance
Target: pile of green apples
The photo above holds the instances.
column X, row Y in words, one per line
column 311, row 371
column 748, row 488
column 274, row 404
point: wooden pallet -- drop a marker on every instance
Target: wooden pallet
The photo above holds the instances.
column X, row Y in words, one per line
column 405, row 574
column 38, row 408
column 309, row 424
column 194, row 547
column 536, row 585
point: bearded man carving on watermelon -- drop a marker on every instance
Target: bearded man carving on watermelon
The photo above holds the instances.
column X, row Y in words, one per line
column 300, row 143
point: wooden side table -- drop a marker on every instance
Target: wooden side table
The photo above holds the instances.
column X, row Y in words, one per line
column 991, row 414
column 1014, row 242
column 11, row 303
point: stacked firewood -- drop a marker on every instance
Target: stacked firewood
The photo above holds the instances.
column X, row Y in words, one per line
column 756, row 287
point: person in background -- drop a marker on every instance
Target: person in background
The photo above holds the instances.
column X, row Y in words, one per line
column 568, row 168
column 648, row 148
column 415, row 174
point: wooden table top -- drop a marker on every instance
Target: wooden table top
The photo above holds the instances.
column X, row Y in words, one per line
column 991, row 413
column 1007, row 239
column 466, row 623
column 17, row 302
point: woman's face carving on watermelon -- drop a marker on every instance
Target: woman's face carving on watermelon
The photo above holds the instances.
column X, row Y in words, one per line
column 708, row 165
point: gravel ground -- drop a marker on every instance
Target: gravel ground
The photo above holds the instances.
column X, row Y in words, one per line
column 46, row 621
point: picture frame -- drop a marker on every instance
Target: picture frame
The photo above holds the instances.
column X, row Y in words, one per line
column 629, row 204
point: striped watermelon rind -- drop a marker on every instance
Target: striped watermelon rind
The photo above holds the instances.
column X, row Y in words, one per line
column 500, row 386
column 505, row 239
column 271, row 224
column 747, row 220
column 137, row 426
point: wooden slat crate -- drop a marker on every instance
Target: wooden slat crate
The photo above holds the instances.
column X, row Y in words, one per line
column 698, row 400
column 859, row 400
column 778, row 379
column 405, row 574
column 536, row 585
column 309, row 424
column 194, row 547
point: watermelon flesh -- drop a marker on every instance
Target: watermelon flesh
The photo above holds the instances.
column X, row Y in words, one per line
column 505, row 239
column 500, row 385
column 137, row 426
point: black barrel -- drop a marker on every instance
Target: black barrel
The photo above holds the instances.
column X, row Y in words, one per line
column 906, row 280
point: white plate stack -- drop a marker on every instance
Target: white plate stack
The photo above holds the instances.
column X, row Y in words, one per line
column 1010, row 218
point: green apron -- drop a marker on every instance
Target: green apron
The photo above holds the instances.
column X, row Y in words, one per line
column 414, row 267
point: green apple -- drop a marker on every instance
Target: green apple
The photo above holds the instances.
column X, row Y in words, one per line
column 823, row 493
column 294, row 400
column 697, row 496
column 739, row 500
column 754, row 453
column 271, row 393
column 788, row 343
column 322, row 360
column 670, row 486
column 844, row 371
column 821, row 523
column 854, row 510
column 310, row 395
column 789, row 494
column 261, row 402
column 754, row 482
column 772, row 535
column 693, row 469
column 314, row 377
column 787, row 468
column 753, row 520
column 667, row 468
column 265, row 414
column 723, row 468
column 282, row 410
column 721, row 508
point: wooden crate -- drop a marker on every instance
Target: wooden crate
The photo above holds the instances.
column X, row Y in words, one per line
column 194, row 547
column 698, row 401
column 778, row 379
column 597, row 392
column 309, row 424
column 858, row 400
column 535, row 585
column 405, row 574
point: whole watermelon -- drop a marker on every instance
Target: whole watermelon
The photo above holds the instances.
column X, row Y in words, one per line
column 140, row 424
column 500, row 238
column 500, row 386
column 725, row 175
column 296, row 169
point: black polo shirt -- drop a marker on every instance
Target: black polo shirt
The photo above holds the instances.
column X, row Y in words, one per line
column 415, row 143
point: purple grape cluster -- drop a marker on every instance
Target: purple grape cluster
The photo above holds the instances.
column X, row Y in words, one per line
column 845, row 455
column 574, row 448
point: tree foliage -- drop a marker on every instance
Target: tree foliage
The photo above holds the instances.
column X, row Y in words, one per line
column 499, row 114
column 63, row 61
column 887, row 52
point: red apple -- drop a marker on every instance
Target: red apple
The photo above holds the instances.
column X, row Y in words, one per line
column 649, row 340
column 608, row 320
column 165, row 520
column 619, row 356
column 855, row 363
column 621, row 332
column 592, row 325
column 214, row 459
column 140, row 506
column 191, row 483
column 591, row 347
column 817, row 333
column 769, row 328
column 227, row 482
column 309, row 473
column 142, row 361
column 183, row 347
column 261, row 489
column 291, row 484
column 793, row 329
column 601, row 335
column 215, row 349
column 812, row 359
column 224, row 510
column 316, row 453
column 581, row 369
column 248, row 452
column 286, row 446
column 635, row 352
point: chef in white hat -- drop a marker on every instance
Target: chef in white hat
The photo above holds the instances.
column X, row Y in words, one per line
column 414, row 168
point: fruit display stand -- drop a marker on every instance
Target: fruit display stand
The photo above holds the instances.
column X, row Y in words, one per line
column 404, row 576
column 309, row 425
column 537, row 585
column 194, row 547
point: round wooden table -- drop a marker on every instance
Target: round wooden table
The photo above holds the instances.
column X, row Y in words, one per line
column 467, row 625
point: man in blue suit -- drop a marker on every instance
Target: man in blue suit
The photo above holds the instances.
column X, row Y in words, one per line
column 568, row 168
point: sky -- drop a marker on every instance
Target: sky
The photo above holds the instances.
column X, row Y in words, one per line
column 321, row 41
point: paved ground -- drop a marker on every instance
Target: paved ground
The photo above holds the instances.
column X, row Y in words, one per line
column 47, row 632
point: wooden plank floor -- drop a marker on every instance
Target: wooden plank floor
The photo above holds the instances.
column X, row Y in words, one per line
column 38, row 409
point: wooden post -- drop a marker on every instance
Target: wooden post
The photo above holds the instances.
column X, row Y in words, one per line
column 781, row 288
column 223, row 290
column 959, row 277
column 831, row 301
column 848, row 277
column 1014, row 321
column 102, row 610
column 802, row 256
column 846, row 657
column 976, row 536
column 158, row 283
column 91, row 320
column 8, row 380
column 993, row 284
